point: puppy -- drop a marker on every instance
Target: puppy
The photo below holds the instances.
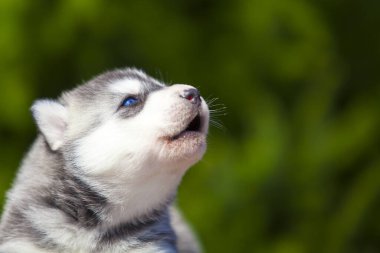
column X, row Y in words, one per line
column 104, row 170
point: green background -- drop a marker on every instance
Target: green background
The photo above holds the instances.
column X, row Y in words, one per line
column 296, row 167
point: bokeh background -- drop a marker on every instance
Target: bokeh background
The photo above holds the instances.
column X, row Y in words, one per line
column 295, row 167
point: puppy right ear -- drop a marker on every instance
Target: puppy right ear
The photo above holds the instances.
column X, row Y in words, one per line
column 51, row 118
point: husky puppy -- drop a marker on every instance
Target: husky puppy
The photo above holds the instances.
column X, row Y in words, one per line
column 103, row 173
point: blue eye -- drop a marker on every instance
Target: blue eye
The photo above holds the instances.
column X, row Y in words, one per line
column 130, row 101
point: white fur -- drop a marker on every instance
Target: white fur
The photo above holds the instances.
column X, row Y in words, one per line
column 126, row 86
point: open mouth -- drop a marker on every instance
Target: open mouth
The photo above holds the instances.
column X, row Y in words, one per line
column 193, row 126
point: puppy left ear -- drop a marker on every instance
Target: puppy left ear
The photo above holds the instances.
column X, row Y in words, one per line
column 51, row 118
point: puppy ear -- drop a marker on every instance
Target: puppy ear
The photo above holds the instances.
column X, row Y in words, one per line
column 51, row 118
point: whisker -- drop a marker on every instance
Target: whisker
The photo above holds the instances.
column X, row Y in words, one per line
column 217, row 124
column 216, row 110
column 211, row 101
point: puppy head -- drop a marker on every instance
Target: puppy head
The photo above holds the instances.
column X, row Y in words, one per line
column 127, row 123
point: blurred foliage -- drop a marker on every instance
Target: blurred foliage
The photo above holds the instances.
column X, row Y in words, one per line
column 296, row 167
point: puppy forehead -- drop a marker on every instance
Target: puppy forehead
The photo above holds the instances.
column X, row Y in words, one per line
column 127, row 85
column 134, row 86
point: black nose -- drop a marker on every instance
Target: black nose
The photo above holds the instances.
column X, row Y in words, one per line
column 192, row 95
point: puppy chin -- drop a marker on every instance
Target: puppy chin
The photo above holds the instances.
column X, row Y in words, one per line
column 185, row 150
